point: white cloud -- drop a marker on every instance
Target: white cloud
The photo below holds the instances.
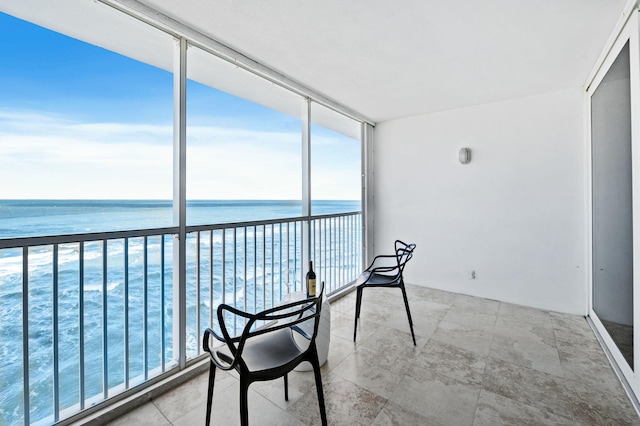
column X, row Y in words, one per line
column 49, row 156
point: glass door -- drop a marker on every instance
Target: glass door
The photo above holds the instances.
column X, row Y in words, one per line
column 612, row 204
column 615, row 201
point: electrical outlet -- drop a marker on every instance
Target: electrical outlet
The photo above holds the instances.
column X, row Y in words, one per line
column 471, row 275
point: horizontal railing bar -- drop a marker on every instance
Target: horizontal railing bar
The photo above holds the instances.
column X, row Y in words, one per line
column 76, row 238
column 229, row 225
column 6, row 243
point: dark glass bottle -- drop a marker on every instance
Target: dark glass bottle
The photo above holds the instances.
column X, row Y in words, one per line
column 311, row 281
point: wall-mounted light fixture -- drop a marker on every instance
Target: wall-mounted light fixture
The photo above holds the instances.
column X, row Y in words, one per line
column 464, row 155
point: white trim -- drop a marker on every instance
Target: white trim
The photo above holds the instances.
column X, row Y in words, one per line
column 305, row 116
column 634, row 64
column 368, row 238
column 364, row 205
column 589, row 202
column 180, row 200
column 609, row 59
column 625, row 384
column 611, row 41
column 618, row 358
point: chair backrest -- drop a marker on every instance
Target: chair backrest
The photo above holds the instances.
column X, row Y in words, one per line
column 277, row 318
column 404, row 253
column 402, row 245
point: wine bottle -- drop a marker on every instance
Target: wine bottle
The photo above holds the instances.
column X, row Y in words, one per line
column 311, row 281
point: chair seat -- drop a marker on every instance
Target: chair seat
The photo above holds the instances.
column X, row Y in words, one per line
column 267, row 351
column 375, row 279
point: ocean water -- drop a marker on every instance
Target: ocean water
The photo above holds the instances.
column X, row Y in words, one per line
column 24, row 218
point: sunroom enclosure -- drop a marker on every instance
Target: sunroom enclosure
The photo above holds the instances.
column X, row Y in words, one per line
column 540, row 217
column 141, row 296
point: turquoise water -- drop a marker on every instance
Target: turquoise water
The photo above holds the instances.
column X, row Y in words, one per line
column 22, row 218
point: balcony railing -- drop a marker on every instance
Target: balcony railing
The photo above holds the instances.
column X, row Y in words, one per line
column 92, row 315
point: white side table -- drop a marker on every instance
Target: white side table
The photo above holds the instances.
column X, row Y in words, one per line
column 324, row 329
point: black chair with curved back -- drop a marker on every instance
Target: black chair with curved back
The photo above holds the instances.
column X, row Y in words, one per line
column 266, row 349
column 386, row 271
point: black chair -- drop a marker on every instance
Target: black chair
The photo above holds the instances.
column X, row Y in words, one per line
column 386, row 271
column 266, row 350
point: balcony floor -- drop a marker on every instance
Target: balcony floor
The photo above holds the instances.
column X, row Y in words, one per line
column 477, row 362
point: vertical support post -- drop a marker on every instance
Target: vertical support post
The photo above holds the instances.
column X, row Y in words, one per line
column 163, row 361
column 272, row 251
column 224, row 265
column 321, row 249
column 306, row 182
column 280, row 259
column 235, row 276
column 255, row 269
column 211, row 281
column 145, row 304
column 198, row 295
column 296, row 267
column 105, row 322
column 25, row 336
column 126, row 313
column 264, row 266
column 81, row 385
column 367, row 194
column 180, row 202
column 56, row 341
column 244, row 256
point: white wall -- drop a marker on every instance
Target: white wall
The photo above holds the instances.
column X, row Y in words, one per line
column 516, row 214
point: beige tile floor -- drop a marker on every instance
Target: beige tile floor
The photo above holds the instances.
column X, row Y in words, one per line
column 477, row 362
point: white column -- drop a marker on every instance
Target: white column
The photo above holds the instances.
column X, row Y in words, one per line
column 306, row 183
column 368, row 210
column 179, row 202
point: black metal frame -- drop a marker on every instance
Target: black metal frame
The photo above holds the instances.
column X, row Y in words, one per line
column 386, row 276
column 268, row 352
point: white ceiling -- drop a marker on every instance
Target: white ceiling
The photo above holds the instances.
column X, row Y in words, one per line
column 389, row 59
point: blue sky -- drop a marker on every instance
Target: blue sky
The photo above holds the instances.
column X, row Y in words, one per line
column 44, row 68
column 78, row 121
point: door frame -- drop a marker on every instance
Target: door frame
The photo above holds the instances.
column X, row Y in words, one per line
column 628, row 33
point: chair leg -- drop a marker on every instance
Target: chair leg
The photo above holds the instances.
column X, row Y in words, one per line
column 318, row 378
column 358, row 303
column 244, row 403
column 212, row 379
column 286, row 387
column 406, row 305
